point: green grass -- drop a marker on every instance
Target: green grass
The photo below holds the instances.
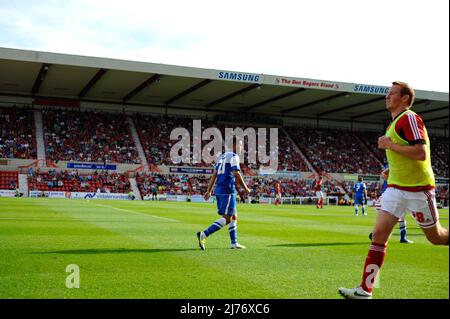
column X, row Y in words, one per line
column 141, row 249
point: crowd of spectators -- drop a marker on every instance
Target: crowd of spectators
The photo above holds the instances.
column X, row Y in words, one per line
column 154, row 133
column 370, row 140
column 335, row 151
column 439, row 156
column 288, row 158
column 16, row 134
column 73, row 181
column 88, row 137
column 291, row 187
column 439, row 151
column 259, row 186
column 171, row 184
column 183, row 184
column 441, row 192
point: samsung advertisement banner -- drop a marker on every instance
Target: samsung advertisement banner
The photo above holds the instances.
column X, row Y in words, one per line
column 370, row 89
column 239, row 77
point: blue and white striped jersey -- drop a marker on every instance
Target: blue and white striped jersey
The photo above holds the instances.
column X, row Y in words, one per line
column 226, row 164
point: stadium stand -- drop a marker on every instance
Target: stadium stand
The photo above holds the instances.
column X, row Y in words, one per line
column 260, row 186
column 333, row 151
column 88, row 137
column 9, row 180
column 72, row 181
column 104, row 137
column 337, row 151
column 73, row 133
column 291, row 187
column 16, row 134
column 288, row 158
column 370, row 140
column 91, row 136
column 440, row 153
column 154, row 133
column 439, row 150
column 172, row 184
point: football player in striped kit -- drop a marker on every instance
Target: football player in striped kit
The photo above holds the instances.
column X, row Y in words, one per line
column 226, row 172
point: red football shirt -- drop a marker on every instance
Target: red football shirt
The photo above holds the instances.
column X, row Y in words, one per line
column 318, row 185
column 278, row 188
column 410, row 127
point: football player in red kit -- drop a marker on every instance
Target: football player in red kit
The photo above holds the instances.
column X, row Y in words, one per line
column 319, row 193
column 374, row 196
column 278, row 193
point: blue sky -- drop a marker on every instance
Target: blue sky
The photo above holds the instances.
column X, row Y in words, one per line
column 372, row 42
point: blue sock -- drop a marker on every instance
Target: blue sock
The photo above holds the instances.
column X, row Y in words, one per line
column 363, row 210
column 402, row 225
column 232, row 228
column 356, row 209
column 217, row 225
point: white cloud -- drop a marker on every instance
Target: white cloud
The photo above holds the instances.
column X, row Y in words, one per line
column 351, row 41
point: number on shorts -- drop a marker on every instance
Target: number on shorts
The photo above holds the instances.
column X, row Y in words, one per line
column 419, row 217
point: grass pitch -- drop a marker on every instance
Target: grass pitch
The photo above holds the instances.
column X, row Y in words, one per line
column 139, row 249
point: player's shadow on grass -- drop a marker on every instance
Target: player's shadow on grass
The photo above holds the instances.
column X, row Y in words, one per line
column 319, row 244
column 114, row 251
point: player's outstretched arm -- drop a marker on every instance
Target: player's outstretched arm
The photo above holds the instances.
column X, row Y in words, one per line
column 212, row 181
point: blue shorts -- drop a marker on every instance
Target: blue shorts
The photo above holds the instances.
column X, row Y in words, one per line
column 226, row 204
column 359, row 200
